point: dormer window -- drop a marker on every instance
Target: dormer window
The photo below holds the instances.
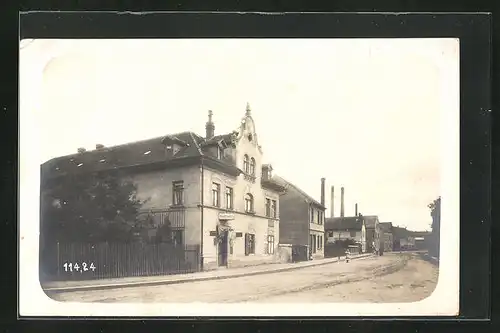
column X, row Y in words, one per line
column 250, row 137
column 267, row 172
column 172, row 145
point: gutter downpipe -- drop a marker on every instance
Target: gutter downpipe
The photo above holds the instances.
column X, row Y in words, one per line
column 201, row 207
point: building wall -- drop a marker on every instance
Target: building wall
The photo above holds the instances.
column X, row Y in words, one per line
column 256, row 223
column 242, row 223
column 363, row 238
column 317, row 230
column 156, row 186
column 156, row 189
column 370, row 238
column 333, row 235
column 388, row 242
column 294, row 217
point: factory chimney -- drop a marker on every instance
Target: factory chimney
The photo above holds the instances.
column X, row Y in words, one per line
column 342, row 202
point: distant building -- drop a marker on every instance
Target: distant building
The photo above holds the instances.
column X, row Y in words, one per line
column 343, row 228
column 214, row 189
column 370, row 234
column 386, row 229
column 302, row 218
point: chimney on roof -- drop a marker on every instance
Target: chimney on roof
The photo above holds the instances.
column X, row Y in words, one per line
column 332, row 200
column 99, row 146
column 342, row 202
column 356, row 209
column 209, row 126
column 81, row 150
column 323, row 191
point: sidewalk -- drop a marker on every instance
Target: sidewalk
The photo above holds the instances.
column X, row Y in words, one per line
column 66, row 286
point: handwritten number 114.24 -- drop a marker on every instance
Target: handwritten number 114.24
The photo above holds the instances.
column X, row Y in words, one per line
column 70, row 267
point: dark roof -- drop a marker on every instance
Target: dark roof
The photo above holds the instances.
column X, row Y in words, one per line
column 343, row 223
column 146, row 153
column 386, row 226
column 226, row 139
column 370, row 221
column 125, row 155
column 288, row 185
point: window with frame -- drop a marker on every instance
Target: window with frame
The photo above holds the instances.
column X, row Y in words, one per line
column 246, row 163
column 249, row 244
column 177, row 237
column 268, row 207
column 215, row 195
column 274, row 208
column 270, row 244
column 252, row 167
column 312, row 215
column 178, row 193
column 320, row 242
column 249, row 203
column 229, row 198
column 319, row 217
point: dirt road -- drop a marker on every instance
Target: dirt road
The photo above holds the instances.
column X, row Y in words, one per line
column 390, row 278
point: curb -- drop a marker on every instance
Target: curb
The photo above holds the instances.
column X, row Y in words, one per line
column 179, row 281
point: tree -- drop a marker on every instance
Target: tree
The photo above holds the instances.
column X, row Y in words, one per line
column 89, row 208
column 435, row 208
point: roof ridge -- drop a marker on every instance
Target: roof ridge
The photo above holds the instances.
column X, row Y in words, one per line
column 298, row 189
column 121, row 145
column 196, row 143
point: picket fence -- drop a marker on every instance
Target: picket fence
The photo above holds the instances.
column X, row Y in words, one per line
column 83, row 261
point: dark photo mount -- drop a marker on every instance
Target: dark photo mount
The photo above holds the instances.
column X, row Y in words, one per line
column 473, row 30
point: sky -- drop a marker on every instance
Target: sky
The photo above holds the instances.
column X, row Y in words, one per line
column 366, row 114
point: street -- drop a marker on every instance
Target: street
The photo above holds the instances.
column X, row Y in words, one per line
column 393, row 277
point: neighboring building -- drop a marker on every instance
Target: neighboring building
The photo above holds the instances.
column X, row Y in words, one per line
column 214, row 190
column 420, row 243
column 302, row 218
column 370, row 233
column 342, row 228
column 388, row 240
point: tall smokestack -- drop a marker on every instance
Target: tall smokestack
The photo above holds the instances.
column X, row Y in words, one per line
column 209, row 126
column 356, row 210
column 322, row 191
column 332, row 201
column 341, row 202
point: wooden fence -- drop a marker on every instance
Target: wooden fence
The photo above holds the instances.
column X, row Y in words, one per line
column 82, row 261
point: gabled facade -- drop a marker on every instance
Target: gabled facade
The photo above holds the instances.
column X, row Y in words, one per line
column 302, row 219
column 213, row 189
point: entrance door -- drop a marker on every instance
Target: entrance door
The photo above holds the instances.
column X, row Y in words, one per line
column 223, row 248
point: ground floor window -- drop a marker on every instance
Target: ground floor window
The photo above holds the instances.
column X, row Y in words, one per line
column 270, row 244
column 312, row 243
column 249, row 244
column 177, row 237
column 320, row 242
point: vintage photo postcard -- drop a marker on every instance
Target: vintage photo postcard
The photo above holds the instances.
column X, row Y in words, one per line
column 239, row 177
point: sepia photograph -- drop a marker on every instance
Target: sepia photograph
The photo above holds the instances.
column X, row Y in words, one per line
column 230, row 176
